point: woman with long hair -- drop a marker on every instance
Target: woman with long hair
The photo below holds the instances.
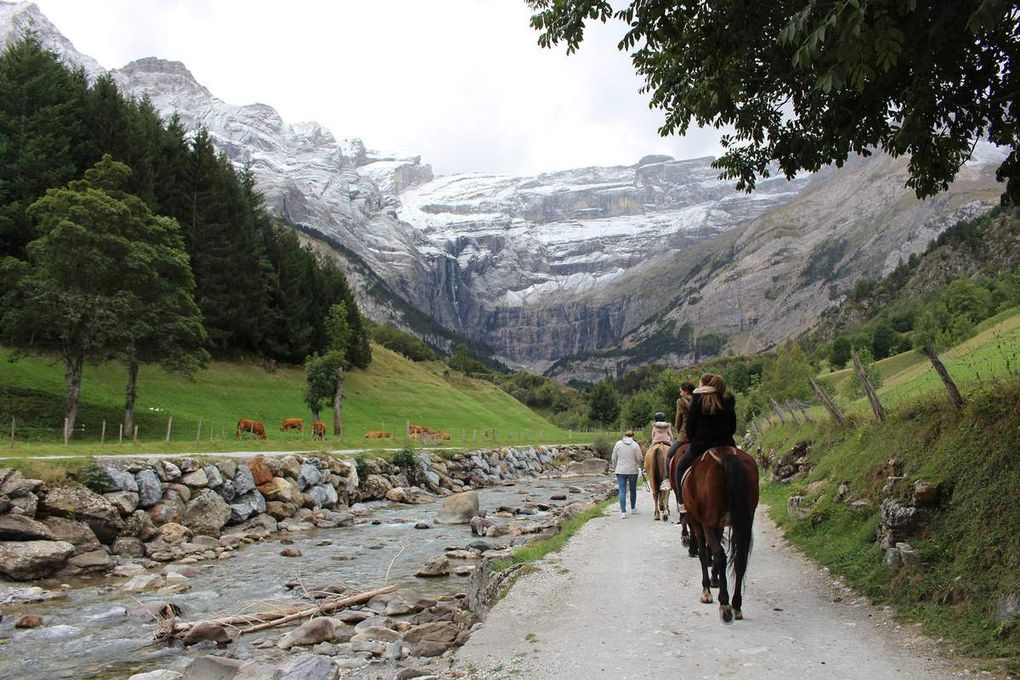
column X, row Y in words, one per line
column 711, row 420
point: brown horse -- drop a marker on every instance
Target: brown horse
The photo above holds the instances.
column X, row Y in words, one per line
column 721, row 489
column 655, row 473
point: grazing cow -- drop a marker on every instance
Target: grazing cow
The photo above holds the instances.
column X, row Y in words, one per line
column 253, row 426
column 375, row 434
column 293, row 424
column 417, row 429
column 318, row 430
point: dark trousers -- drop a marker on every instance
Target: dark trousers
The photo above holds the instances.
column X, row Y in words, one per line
column 683, row 463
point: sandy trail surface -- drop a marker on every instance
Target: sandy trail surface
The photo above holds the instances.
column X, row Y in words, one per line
column 621, row 601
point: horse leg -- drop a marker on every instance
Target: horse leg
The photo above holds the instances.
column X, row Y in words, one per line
column 719, row 563
column 699, row 537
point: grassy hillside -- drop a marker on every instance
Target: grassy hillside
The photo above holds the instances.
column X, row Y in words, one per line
column 391, row 392
column 994, row 351
column 970, row 546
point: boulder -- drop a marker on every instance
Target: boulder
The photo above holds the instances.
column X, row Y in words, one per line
column 140, row 525
column 77, row 502
column 401, row 602
column 27, row 560
column 128, row 546
column 924, row 494
column 213, row 477
column 149, row 489
column 206, row 631
column 279, row 489
column 156, row 675
column 909, row 555
column 120, row 480
column 439, row 631
column 437, row 565
column 308, row 667
column 308, row 475
column 23, row 528
column 206, row 513
column 13, row 484
column 167, row 471
column 188, row 465
column 23, row 505
column 195, row 479
column 93, row 562
column 312, row 632
column 375, row 486
column 290, row 466
column 260, row 523
column 1007, row 607
column 324, row 496
column 900, row 517
column 125, row 501
column 170, row 509
column 429, row 648
column 588, row 466
column 260, row 471
column 28, row 621
column 480, row 524
column 212, row 668
column 798, row 508
column 227, row 467
column 243, row 507
column 244, row 480
column 280, row 511
column 174, row 534
column 183, row 491
column 397, row 495
column 143, row 582
column 458, row 508
column 78, row 534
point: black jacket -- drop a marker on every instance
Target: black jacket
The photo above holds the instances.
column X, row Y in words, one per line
column 708, row 430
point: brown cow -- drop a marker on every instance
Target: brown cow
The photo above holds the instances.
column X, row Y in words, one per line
column 318, row 430
column 253, row 426
column 375, row 434
column 293, row 424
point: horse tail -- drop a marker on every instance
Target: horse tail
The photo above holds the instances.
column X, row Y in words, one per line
column 738, row 488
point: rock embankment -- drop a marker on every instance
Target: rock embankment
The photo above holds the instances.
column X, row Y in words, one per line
column 185, row 510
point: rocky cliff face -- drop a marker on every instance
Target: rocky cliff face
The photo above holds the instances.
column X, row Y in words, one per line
column 572, row 262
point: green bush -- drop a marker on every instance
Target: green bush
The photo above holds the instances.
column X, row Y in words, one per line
column 94, row 477
column 362, row 467
column 603, row 447
column 405, row 458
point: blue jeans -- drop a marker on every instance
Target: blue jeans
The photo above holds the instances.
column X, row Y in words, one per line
column 623, row 481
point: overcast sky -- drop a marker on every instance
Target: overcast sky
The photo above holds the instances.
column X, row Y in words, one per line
column 463, row 83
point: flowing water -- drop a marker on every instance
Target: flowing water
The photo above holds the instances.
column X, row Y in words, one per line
column 99, row 631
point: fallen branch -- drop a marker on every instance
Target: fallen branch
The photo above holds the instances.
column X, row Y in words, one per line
column 271, row 619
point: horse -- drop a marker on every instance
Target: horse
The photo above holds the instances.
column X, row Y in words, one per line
column 318, row 429
column 253, row 426
column 674, row 484
column 722, row 488
column 655, row 473
column 293, row 424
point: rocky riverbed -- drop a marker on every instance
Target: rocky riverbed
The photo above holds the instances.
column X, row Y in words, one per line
column 90, row 611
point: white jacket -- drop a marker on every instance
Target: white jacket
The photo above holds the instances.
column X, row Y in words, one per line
column 627, row 457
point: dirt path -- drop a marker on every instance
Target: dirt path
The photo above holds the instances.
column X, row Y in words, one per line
column 621, row 601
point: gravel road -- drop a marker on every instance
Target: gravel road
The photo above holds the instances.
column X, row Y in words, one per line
column 621, row 601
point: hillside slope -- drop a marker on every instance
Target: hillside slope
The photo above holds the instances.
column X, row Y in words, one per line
column 391, row 392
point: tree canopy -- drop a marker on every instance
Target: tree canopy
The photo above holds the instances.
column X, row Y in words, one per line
column 803, row 83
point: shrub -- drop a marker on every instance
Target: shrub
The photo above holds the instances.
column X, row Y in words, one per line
column 405, row 458
column 603, row 447
column 362, row 467
column 94, row 477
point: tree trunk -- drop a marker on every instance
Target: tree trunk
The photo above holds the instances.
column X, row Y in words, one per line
column 72, row 372
column 955, row 398
column 131, row 391
column 827, row 402
column 869, row 389
column 338, row 407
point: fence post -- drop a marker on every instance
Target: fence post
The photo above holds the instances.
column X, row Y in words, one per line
column 67, row 434
column 775, row 407
column 955, row 398
column 869, row 389
column 102, row 434
column 803, row 410
column 12, row 432
column 134, row 436
column 169, row 425
column 120, row 434
column 793, row 414
column 198, row 433
column 827, row 402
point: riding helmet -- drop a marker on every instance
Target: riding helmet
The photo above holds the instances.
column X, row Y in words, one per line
column 660, row 416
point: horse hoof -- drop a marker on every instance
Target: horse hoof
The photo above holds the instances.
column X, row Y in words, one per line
column 738, row 615
column 706, row 598
column 726, row 613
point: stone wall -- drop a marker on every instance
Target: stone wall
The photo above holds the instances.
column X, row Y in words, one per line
column 190, row 510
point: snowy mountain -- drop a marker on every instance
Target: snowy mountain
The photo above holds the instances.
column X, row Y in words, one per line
column 538, row 268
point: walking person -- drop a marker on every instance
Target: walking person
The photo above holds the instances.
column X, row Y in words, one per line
column 627, row 461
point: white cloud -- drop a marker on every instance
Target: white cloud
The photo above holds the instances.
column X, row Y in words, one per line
column 461, row 82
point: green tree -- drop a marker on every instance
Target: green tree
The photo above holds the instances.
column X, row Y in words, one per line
column 786, row 376
column 803, row 84
column 89, row 265
column 338, row 330
column 839, row 352
column 883, row 340
column 639, row 410
column 320, row 383
column 603, row 403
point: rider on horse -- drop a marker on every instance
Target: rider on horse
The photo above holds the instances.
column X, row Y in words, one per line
column 711, row 420
column 662, row 431
column 683, row 405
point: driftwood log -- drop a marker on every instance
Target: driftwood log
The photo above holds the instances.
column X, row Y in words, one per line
column 251, row 623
